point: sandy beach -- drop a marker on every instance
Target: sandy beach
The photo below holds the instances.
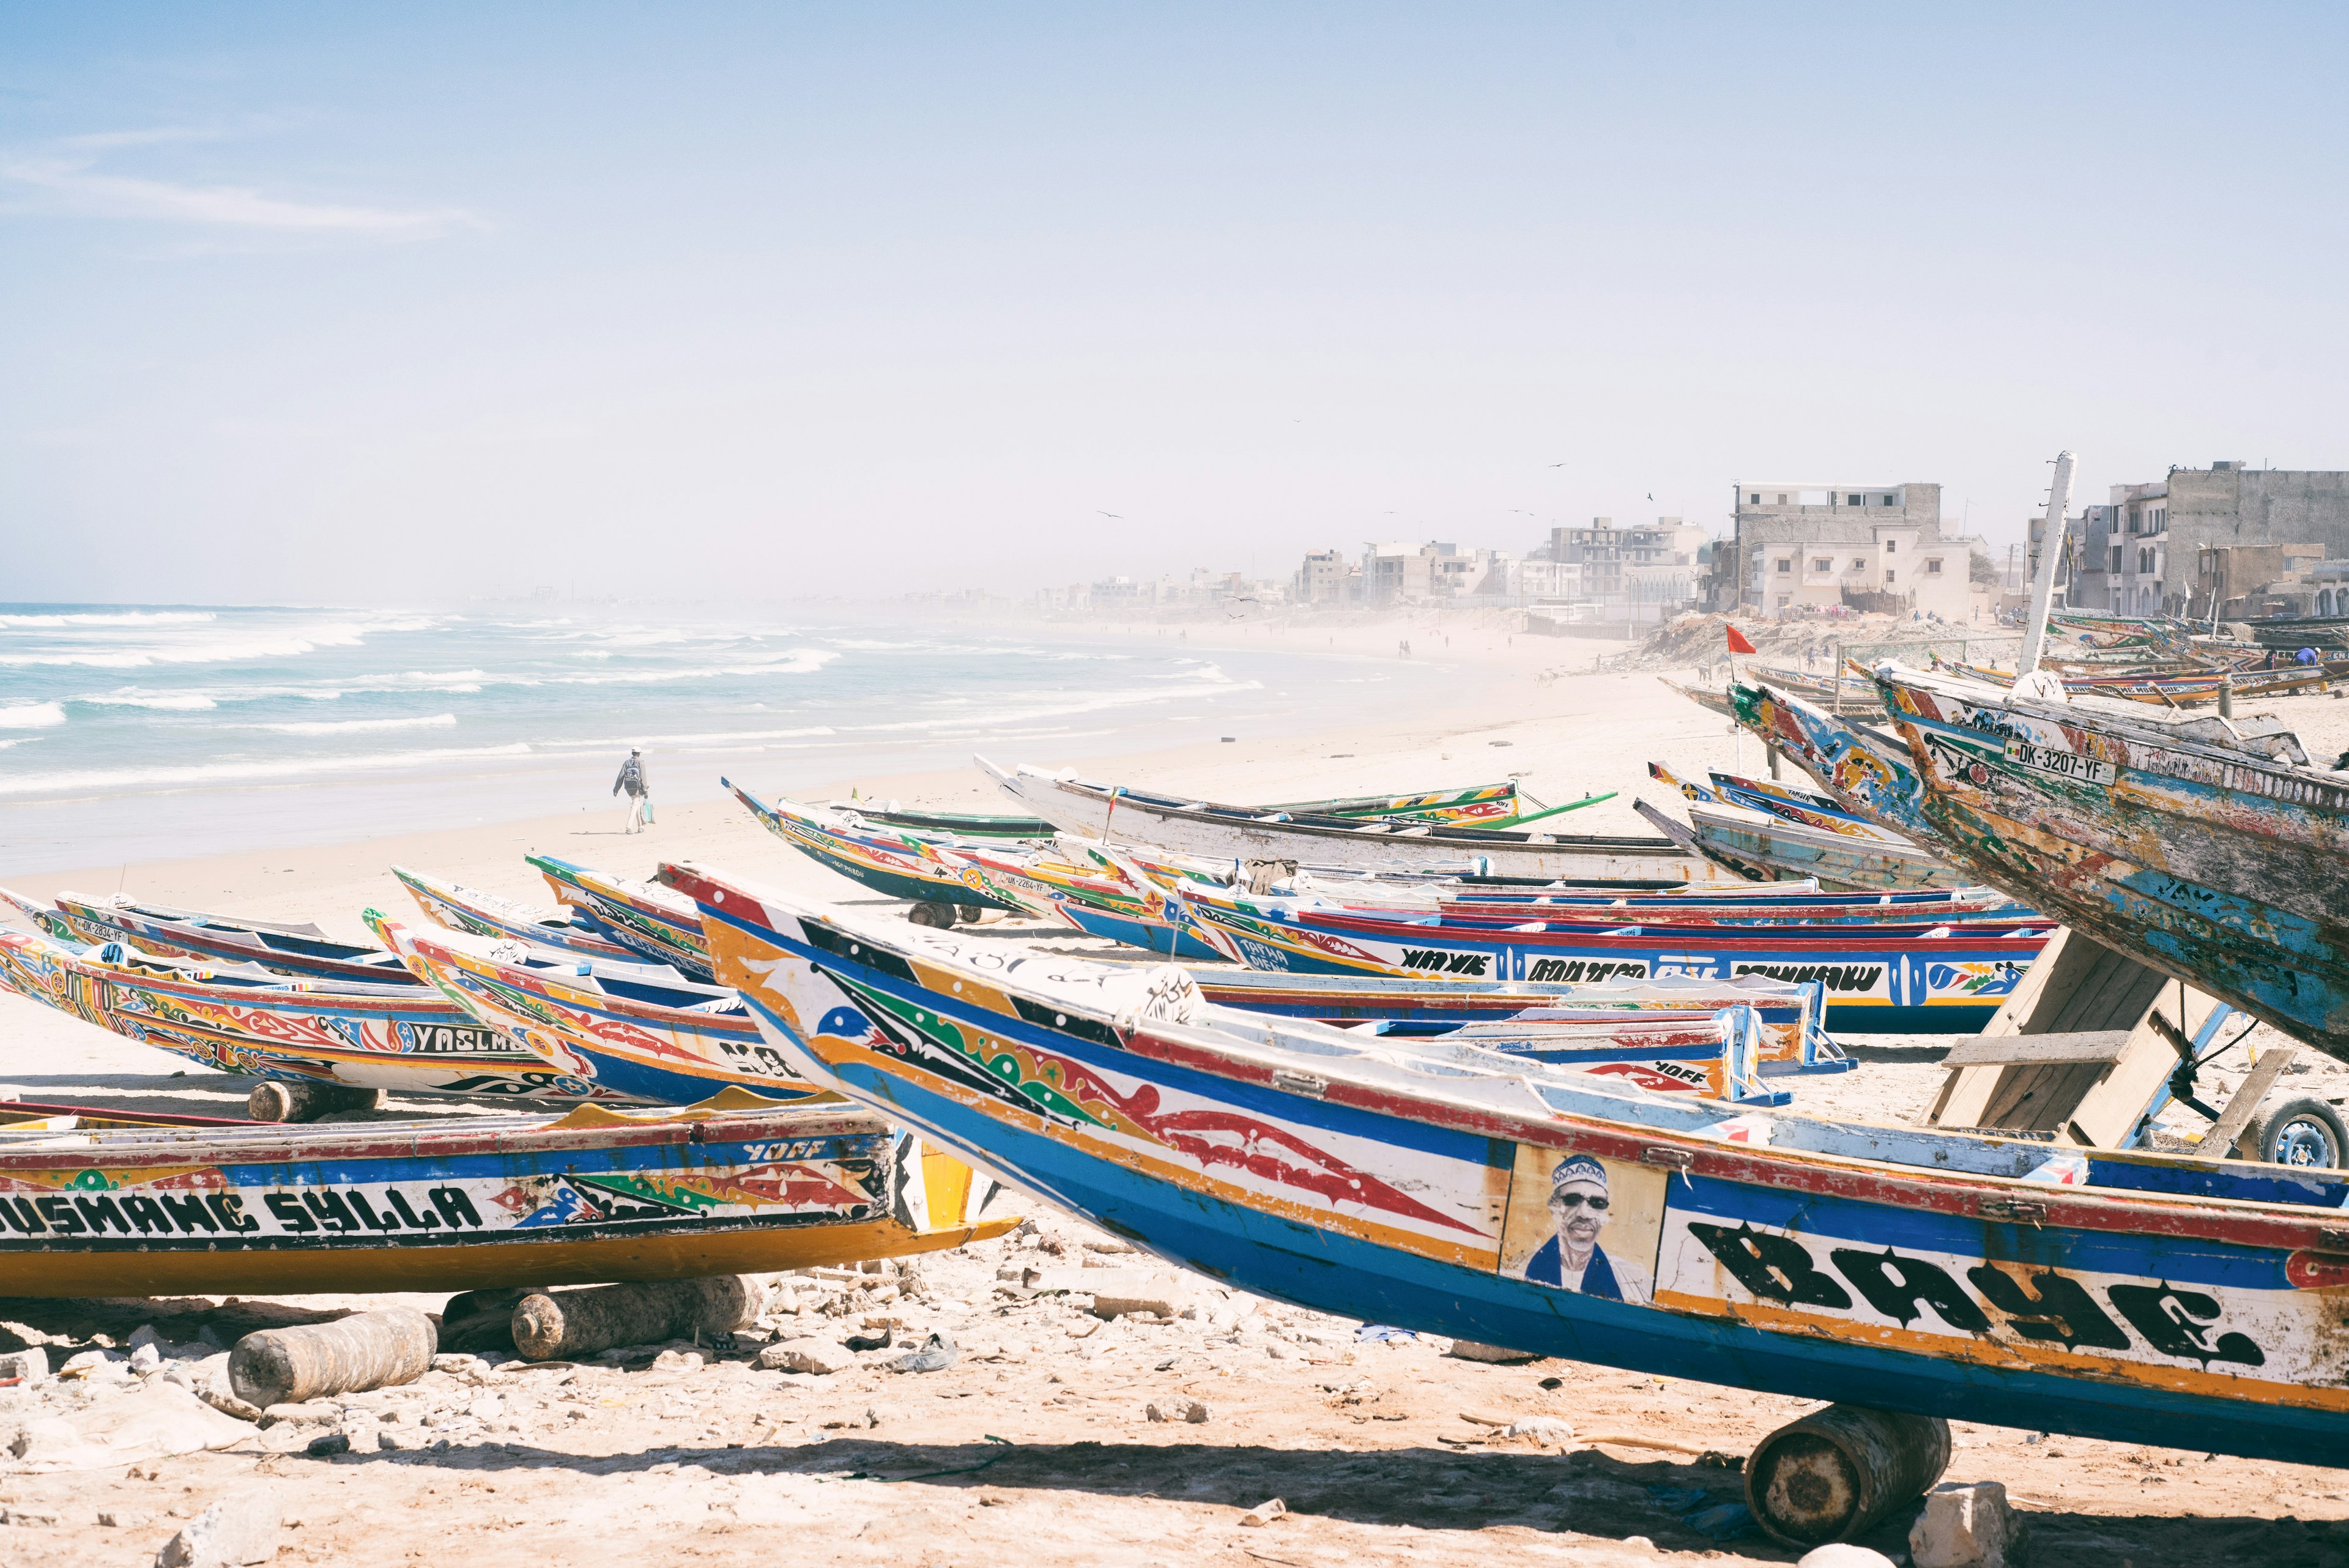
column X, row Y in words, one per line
column 1036, row 1444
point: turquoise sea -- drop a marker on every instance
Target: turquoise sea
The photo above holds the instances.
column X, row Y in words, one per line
column 141, row 732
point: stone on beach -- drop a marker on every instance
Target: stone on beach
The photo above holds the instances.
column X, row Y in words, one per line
column 1965, row 1524
column 1843, row 1555
column 151, row 1422
column 809, row 1354
column 233, row 1531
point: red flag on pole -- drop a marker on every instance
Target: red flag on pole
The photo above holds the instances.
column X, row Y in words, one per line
column 1737, row 643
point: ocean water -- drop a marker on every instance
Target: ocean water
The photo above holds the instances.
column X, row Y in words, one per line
column 132, row 733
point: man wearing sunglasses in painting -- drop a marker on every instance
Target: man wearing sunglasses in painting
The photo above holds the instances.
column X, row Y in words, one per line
column 1572, row 1259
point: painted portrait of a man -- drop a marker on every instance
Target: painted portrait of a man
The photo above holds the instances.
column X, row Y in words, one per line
column 1572, row 1259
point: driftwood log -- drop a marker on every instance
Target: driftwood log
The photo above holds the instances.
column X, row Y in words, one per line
column 302, row 1100
column 366, row 1350
column 580, row 1323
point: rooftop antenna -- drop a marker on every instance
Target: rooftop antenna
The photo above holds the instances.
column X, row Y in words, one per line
column 2042, row 567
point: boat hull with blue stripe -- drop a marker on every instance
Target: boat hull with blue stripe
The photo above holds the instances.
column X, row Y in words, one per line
column 2117, row 1295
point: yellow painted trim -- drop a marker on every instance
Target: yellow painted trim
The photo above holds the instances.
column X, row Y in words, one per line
column 1977, row 1350
column 479, row 1263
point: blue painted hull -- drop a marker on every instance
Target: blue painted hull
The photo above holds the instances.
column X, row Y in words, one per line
column 1378, row 1184
column 1148, row 936
column 1334, row 1274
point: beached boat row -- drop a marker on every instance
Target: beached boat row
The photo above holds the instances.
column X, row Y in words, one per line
column 1538, row 1097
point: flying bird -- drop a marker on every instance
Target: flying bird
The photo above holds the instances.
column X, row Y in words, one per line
column 1114, row 514
column 1558, row 466
column 1651, row 496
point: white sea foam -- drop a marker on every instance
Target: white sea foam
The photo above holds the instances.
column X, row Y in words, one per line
column 193, row 775
column 354, row 726
column 141, row 697
column 106, row 618
column 32, row 716
column 222, row 650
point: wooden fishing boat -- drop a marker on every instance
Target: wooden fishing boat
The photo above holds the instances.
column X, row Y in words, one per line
column 1479, row 806
column 1704, row 696
column 475, row 1201
column 2209, row 848
column 892, row 864
column 462, row 908
column 2119, row 1295
column 649, row 922
column 163, row 930
column 2199, row 688
column 1868, row 772
column 1060, row 881
column 407, row 1039
column 638, row 1030
column 1114, row 813
column 1764, row 847
column 1804, row 808
column 1893, row 978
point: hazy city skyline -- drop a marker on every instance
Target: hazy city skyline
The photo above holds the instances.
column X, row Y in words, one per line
column 340, row 306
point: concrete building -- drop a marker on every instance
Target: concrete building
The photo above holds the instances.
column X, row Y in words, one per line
column 2229, row 505
column 1395, row 573
column 1321, row 580
column 2251, row 582
column 1644, row 571
column 2149, row 550
column 2121, row 561
column 1878, row 548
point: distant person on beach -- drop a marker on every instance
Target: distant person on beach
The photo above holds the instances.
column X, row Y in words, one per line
column 638, row 784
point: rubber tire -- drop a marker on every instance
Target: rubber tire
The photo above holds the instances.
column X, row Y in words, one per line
column 937, row 916
column 969, row 913
column 2295, row 1132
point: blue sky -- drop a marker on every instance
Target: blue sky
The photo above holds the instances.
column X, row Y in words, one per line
column 318, row 303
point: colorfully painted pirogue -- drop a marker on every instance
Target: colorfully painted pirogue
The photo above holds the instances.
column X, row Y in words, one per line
column 638, row 1030
column 594, row 1196
column 464, row 908
column 2121, row 1296
column 2209, row 848
column 407, row 1038
column 1220, row 831
column 1888, row 976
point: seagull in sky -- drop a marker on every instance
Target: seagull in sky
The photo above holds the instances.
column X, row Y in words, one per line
column 1558, row 466
column 1114, row 514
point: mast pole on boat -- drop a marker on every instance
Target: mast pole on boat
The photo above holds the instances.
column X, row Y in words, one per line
column 2042, row 574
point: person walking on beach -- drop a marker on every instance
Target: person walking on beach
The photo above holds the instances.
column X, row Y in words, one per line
column 638, row 784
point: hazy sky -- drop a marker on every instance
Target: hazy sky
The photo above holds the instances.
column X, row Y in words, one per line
column 363, row 302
